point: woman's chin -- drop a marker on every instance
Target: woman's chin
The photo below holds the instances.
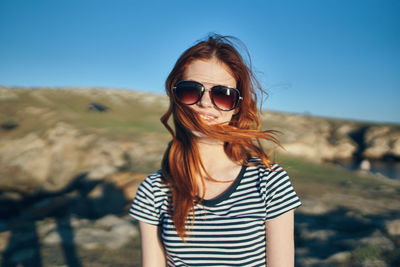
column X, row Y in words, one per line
column 199, row 134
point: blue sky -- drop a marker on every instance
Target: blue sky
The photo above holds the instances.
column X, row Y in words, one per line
column 332, row 58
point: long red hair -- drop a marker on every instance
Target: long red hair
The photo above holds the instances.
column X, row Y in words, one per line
column 182, row 163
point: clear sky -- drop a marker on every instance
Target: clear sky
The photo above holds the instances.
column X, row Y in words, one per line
column 333, row 58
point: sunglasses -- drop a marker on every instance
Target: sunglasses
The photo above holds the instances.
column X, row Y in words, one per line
column 223, row 97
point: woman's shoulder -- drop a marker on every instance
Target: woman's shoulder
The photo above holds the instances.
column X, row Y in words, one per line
column 155, row 181
column 257, row 163
column 155, row 176
column 151, row 199
column 272, row 172
column 275, row 188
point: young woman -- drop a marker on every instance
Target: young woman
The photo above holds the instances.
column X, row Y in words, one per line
column 218, row 200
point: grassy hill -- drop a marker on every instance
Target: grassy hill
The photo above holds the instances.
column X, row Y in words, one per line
column 349, row 203
column 37, row 110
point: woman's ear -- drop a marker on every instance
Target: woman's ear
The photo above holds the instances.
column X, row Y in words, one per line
column 237, row 110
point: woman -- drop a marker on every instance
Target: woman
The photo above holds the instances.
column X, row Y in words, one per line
column 218, row 200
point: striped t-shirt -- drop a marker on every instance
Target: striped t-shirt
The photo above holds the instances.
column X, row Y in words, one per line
column 228, row 230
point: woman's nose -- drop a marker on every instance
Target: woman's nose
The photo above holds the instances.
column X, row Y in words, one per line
column 205, row 101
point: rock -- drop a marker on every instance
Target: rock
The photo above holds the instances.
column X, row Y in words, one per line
column 317, row 139
column 51, row 163
column 374, row 263
column 41, row 164
column 10, row 196
column 319, row 235
column 378, row 239
column 344, row 149
column 9, row 125
column 116, row 233
column 365, row 165
column 25, row 162
column 392, row 227
column 110, row 221
column 396, row 146
column 98, row 107
column 4, row 237
column 7, row 94
column 46, row 227
column 314, row 207
column 90, row 238
column 309, row 261
column 382, row 141
column 110, row 231
column 52, row 238
column 338, row 258
column 327, row 140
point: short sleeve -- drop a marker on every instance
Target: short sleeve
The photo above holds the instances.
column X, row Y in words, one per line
column 144, row 207
column 277, row 192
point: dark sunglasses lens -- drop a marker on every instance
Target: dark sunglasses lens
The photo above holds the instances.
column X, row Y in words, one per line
column 224, row 98
column 188, row 93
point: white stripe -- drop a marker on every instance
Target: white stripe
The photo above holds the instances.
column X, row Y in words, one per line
column 210, row 239
column 220, row 225
column 217, row 233
column 230, row 257
column 272, row 214
column 249, row 244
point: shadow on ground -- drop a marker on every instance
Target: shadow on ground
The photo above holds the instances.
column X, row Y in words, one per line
column 20, row 220
column 344, row 238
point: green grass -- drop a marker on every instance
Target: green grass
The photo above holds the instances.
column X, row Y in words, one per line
column 327, row 173
column 366, row 253
column 334, row 186
column 38, row 110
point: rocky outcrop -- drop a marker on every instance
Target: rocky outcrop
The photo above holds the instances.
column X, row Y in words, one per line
column 392, row 227
column 314, row 138
column 329, row 140
column 47, row 164
column 382, row 141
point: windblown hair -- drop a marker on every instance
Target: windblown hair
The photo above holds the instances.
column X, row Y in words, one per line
column 182, row 165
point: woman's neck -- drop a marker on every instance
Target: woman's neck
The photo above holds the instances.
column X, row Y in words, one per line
column 221, row 170
column 213, row 157
column 211, row 151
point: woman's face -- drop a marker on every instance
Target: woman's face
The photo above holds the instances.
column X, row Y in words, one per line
column 210, row 73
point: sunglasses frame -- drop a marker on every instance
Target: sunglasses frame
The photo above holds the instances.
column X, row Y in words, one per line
column 203, row 89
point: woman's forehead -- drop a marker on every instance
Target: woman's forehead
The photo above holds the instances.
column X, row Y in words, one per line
column 209, row 72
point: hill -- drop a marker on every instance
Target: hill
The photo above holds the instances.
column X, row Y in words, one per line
column 79, row 154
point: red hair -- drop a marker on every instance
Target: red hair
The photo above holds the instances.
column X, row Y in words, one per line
column 182, row 163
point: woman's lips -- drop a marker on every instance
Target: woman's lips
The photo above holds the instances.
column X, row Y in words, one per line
column 208, row 117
